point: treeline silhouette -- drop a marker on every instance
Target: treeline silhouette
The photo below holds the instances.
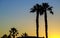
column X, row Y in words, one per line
column 14, row 32
column 39, row 9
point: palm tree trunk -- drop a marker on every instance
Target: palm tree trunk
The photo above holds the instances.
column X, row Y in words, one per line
column 46, row 26
column 37, row 24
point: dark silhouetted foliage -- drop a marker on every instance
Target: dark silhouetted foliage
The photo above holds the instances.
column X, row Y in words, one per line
column 13, row 32
column 37, row 8
column 24, row 34
column 45, row 8
column 42, row 9
column 4, row 36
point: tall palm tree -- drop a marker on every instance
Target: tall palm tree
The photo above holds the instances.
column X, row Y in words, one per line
column 45, row 8
column 37, row 8
column 13, row 32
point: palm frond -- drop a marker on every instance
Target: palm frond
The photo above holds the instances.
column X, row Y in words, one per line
column 50, row 8
column 51, row 12
column 37, row 6
column 45, row 5
column 32, row 10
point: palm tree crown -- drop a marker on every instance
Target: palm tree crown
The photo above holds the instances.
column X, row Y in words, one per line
column 45, row 7
column 36, row 8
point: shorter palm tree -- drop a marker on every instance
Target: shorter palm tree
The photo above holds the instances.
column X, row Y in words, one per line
column 13, row 32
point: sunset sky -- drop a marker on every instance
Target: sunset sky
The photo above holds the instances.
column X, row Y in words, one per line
column 16, row 13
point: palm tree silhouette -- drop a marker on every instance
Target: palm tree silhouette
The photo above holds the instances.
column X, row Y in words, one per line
column 45, row 8
column 13, row 32
column 41, row 9
column 37, row 8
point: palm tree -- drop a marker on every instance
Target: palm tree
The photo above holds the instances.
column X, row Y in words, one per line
column 13, row 32
column 37, row 8
column 45, row 8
